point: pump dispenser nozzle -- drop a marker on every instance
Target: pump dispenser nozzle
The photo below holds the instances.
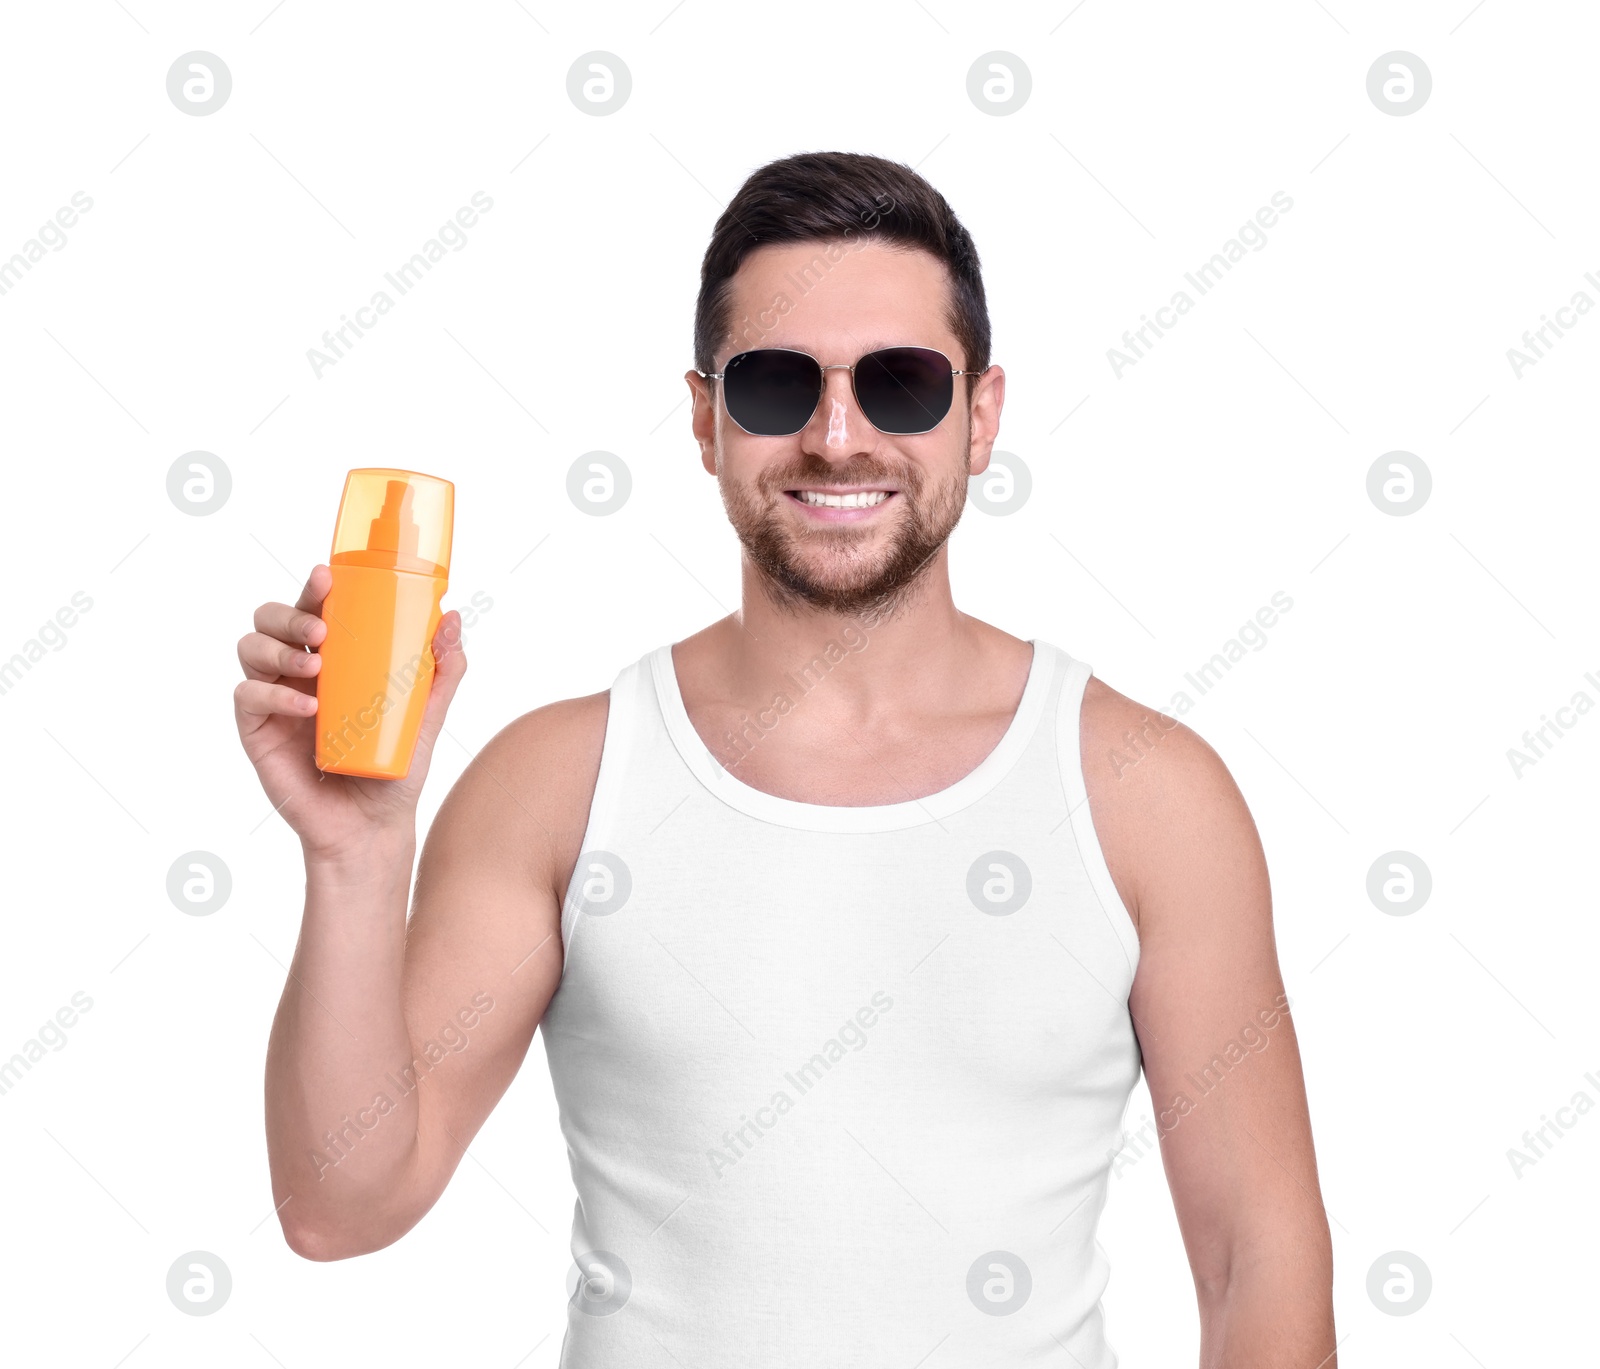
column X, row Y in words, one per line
column 394, row 520
column 395, row 528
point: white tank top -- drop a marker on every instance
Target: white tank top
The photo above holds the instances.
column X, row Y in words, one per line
column 840, row 1085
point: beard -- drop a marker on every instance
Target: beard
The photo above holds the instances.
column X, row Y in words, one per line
column 861, row 571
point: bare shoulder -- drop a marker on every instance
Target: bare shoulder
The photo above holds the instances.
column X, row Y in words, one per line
column 563, row 733
column 531, row 784
column 1162, row 800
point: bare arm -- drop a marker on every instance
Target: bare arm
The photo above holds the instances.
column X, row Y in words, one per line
column 1219, row 1045
column 486, row 923
column 392, row 1043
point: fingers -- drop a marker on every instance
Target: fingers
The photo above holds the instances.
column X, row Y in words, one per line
column 295, row 625
column 261, row 698
column 268, row 658
column 317, row 585
column 277, row 646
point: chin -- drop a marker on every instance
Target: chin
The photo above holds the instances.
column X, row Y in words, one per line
column 835, row 571
column 833, row 584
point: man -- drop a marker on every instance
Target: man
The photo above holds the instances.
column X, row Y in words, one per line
column 849, row 919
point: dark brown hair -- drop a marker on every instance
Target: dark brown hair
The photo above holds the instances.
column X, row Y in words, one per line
column 827, row 196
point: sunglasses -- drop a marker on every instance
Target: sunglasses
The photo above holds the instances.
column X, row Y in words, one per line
column 774, row 391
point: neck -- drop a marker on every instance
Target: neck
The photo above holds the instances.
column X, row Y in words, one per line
column 776, row 641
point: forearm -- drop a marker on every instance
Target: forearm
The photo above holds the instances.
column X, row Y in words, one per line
column 338, row 1163
column 1272, row 1311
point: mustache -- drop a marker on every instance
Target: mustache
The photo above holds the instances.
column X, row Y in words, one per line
column 813, row 470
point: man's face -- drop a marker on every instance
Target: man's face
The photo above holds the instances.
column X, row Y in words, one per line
column 782, row 493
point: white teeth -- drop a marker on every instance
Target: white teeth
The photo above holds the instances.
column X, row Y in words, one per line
column 863, row 500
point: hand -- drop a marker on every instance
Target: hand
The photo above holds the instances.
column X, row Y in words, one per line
column 335, row 816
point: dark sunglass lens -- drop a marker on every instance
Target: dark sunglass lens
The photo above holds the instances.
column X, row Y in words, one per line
column 904, row 389
column 771, row 392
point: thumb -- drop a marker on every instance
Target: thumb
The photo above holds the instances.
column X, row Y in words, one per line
column 449, row 665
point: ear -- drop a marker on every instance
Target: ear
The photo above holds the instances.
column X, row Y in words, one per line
column 703, row 418
column 988, row 398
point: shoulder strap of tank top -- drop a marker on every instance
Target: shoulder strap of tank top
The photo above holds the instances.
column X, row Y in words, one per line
column 1069, row 751
column 627, row 722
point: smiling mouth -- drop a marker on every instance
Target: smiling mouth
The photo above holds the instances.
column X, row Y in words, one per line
column 849, row 499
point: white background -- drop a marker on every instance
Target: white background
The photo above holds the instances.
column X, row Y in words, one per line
column 1228, row 464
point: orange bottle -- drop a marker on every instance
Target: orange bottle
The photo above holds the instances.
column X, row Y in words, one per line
column 391, row 565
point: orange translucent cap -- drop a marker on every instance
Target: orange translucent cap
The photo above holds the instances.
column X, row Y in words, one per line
column 395, row 520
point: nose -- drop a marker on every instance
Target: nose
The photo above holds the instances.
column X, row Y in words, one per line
column 844, row 427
